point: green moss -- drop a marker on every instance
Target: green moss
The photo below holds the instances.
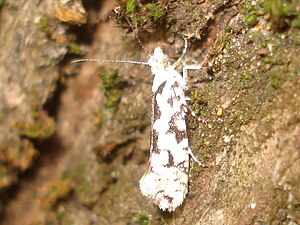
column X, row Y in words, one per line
column 296, row 22
column 196, row 96
column 82, row 176
column 74, row 48
column 157, row 10
column 41, row 126
column 246, row 80
column 44, row 25
column 226, row 42
column 130, row 6
column 195, row 99
column 227, row 28
column 245, row 76
column 198, row 104
column 146, row 15
column 251, row 15
column 66, row 175
column 108, row 79
column 141, row 218
column 140, row 19
column 113, row 87
column 276, row 79
column 227, row 47
column 264, row 43
column 39, row 131
column 251, row 19
column 114, row 97
column 1, row 3
column 275, row 8
column 267, row 59
column 279, row 11
column 82, row 169
column 55, row 191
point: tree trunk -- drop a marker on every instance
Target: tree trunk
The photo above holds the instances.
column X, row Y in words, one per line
column 75, row 137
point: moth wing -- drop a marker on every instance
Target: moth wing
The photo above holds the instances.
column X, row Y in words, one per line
column 166, row 181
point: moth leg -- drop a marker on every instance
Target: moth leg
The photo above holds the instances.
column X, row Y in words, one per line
column 182, row 54
column 189, row 67
column 185, row 69
column 195, row 158
column 192, row 111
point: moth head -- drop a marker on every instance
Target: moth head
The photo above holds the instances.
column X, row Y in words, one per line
column 159, row 59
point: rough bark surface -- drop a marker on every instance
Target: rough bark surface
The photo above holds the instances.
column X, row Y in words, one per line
column 74, row 145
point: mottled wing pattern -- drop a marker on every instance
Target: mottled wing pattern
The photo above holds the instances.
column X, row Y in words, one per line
column 166, row 181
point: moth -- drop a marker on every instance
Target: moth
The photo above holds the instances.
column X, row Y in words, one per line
column 166, row 180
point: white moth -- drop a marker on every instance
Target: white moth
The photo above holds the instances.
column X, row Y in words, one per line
column 166, row 181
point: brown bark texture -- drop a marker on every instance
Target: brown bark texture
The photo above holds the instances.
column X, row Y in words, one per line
column 74, row 138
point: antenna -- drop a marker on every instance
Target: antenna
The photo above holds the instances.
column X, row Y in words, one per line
column 135, row 34
column 109, row 61
column 118, row 61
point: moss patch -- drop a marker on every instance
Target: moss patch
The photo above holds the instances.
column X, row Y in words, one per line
column 113, row 86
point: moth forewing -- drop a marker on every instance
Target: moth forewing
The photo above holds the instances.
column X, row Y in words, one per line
column 166, row 180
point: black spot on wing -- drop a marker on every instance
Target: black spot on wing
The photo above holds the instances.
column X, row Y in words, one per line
column 179, row 134
column 161, row 88
column 174, row 97
column 175, row 85
column 156, row 110
column 183, row 168
column 170, row 160
column 170, row 199
column 155, row 148
column 170, row 101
